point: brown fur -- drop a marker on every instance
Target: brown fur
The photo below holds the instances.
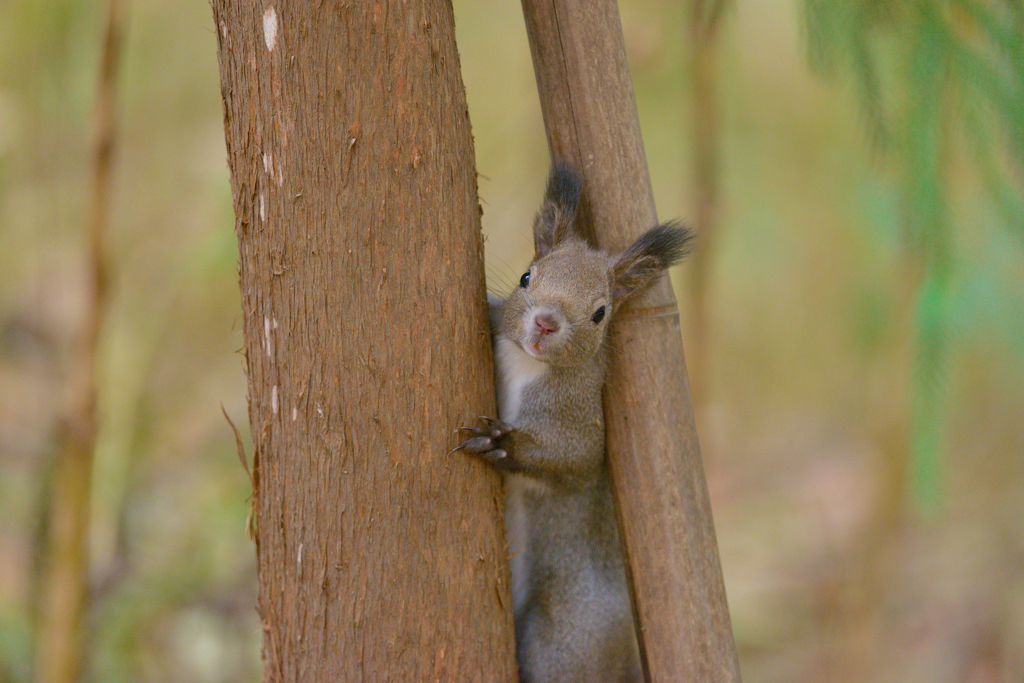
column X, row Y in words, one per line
column 572, row 610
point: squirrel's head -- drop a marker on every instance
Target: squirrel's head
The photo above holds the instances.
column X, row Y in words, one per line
column 561, row 310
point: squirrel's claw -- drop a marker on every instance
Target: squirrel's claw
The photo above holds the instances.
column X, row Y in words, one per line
column 479, row 444
column 485, row 441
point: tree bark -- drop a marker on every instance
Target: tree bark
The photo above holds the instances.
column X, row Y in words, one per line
column 658, row 479
column 381, row 558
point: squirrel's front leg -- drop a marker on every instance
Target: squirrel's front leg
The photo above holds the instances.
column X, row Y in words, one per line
column 496, row 442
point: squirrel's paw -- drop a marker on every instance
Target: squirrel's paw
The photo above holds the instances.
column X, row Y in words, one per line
column 487, row 441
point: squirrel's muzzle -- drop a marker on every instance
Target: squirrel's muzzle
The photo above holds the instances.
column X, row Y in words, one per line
column 545, row 323
column 544, row 330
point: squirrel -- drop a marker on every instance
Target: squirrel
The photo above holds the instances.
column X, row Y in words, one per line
column 571, row 604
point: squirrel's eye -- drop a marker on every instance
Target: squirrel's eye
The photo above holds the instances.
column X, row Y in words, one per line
column 525, row 279
column 598, row 315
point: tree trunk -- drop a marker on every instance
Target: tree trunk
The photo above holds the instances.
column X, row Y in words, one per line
column 661, row 495
column 64, row 584
column 381, row 558
column 703, row 23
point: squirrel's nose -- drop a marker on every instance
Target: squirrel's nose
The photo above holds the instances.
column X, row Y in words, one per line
column 546, row 323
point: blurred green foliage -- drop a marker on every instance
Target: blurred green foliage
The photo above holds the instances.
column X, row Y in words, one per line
column 928, row 72
column 837, row 259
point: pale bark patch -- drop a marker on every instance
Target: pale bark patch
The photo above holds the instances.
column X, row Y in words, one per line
column 270, row 28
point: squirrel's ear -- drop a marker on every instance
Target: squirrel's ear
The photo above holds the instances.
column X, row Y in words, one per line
column 637, row 267
column 556, row 220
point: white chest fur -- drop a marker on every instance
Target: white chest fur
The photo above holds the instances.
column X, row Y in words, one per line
column 516, row 372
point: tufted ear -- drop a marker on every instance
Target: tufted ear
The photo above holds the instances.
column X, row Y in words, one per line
column 636, row 268
column 556, row 220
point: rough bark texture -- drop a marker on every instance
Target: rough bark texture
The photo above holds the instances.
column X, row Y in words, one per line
column 381, row 558
column 658, row 478
column 64, row 586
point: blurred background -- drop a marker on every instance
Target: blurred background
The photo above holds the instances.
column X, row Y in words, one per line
column 853, row 319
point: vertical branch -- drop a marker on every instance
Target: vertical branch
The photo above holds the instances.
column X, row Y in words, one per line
column 64, row 587
column 661, row 495
column 703, row 28
column 928, row 228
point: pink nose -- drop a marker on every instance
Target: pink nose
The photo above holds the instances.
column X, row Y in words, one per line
column 546, row 323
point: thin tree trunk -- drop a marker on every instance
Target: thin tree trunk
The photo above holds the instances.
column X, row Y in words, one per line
column 704, row 21
column 658, row 479
column 381, row 558
column 64, row 586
